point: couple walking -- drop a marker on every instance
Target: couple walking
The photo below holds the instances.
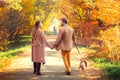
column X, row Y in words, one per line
column 64, row 42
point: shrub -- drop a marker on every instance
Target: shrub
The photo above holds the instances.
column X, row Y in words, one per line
column 112, row 68
column 110, row 48
column 12, row 24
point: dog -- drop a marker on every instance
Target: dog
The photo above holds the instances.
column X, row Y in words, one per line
column 83, row 65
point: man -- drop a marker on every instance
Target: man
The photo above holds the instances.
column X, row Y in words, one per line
column 64, row 42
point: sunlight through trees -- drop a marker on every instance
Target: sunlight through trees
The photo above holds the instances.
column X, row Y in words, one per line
column 89, row 18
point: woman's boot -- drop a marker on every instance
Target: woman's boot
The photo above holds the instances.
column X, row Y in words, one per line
column 38, row 69
column 35, row 67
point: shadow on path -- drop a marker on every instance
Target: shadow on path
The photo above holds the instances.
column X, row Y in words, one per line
column 48, row 73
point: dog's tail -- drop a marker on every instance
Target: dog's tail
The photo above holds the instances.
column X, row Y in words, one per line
column 85, row 63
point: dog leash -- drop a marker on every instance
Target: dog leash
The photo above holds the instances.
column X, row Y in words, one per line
column 78, row 51
column 77, row 48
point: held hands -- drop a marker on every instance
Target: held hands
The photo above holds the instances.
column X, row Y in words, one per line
column 74, row 43
column 51, row 47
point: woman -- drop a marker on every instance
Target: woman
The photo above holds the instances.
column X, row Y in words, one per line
column 38, row 47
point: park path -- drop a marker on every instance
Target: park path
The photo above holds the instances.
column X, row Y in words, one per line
column 21, row 68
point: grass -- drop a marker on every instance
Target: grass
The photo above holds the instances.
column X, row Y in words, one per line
column 112, row 68
column 48, row 32
column 83, row 49
column 14, row 49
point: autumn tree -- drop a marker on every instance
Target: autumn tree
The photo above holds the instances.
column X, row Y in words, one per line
column 3, row 41
column 79, row 14
column 107, row 10
column 46, row 10
column 12, row 24
column 39, row 10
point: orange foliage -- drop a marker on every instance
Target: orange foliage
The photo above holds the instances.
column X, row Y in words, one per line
column 87, row 33
column 107, row 11
column 111, row 44
column 6, row 62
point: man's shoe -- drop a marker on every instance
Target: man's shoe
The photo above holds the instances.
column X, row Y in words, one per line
column 68, row 73
column 38, row 73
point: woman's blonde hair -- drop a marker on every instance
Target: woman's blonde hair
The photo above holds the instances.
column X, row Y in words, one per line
column 34, row 32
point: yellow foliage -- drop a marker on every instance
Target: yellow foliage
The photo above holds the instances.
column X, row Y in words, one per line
column 28, row 6
column 107, row 11
column 16, row 4
column 46, row 23
column 111, row 37
column 111, row 44
column 111, row 40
